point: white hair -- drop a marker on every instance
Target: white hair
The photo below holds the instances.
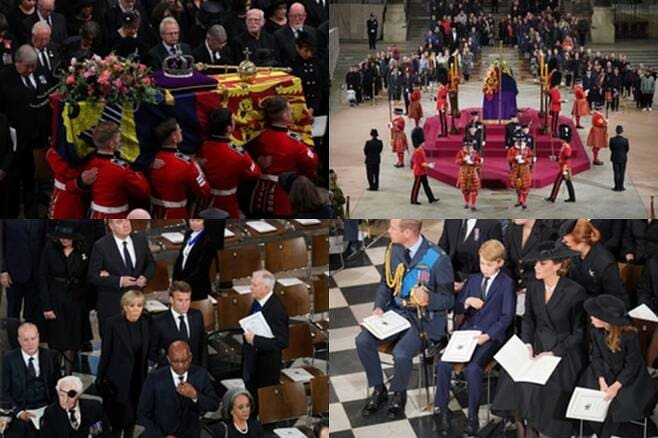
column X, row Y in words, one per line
column 257, row 11
column 73, row 380
column 26, row 54
column 266, row 277
column 165, row 21
column 40, row 25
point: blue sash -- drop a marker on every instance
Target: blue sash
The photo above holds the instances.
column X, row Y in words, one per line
column 422, row 269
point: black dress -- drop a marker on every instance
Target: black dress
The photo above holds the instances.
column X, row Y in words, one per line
column 637, row 396
column 598, row 273
column 62, row 286
column 254, row 430
column 557, row 326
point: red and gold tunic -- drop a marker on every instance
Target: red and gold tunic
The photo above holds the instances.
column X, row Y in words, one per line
column 415, row 109
column 521, row 172
column 598, row 133
column 398, row 136
column 468, row 177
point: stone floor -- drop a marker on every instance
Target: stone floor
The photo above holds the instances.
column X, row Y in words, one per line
column 350, row 128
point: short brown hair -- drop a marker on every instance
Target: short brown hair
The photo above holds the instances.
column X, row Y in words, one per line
column 564, row 268
column 104, row 132
column 414, row 225
column 275, row 107
column 492, row 251
column 163, row 130
column 180, row 286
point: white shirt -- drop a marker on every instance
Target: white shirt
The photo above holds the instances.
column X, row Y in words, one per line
column 491, row 280
column 31, row 79
column 214, row 56
column 168, row 47
column 413, row 249
column 26, row 359
column 176, row 378
column 78, row 416
column 48, row 19
column 470, row 224
column 263, row 300
column 188, row 247
column 131, row 248
column 177, row 320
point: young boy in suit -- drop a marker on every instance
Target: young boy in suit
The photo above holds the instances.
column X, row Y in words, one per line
column 488, row 304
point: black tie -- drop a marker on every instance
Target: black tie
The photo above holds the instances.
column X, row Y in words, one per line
column 485, row 283
column 126, row 258
column 183, row 327
column 407, row 256
column 464, row 229
column 74, row 421
column 173, row 50
column 31, row 371
column 28, row 83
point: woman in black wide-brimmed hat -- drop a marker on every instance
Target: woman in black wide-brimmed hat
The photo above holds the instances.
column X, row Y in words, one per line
column 617, row 367
column 553, row 324
column 62, row 274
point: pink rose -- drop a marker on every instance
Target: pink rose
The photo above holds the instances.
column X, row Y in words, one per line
column 146, row 81
column 117, row 83
column 70, row 80
column 104, row 77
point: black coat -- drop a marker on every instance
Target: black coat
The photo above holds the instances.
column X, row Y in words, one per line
column 316, row 13
column 163, row 412
column 55, row 421
column 105, row 256
column 618, row 149
column 264, row 50
column 14, row 374
column 59, row 29
column 517, row 265
column 611, row 232
column 196, row 272
column 22, row 248
column 463, row 254
column 557, row 326
column 164, row 331
column 285, row 39
column 6, row 145
column 647, row 288
column 117, row 359
column 261, row 362
column 637, row 396
column 598, row 273
column 158, row 53
column 373, row 151
column 201, row 54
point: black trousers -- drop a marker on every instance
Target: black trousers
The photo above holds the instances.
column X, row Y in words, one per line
column 619, row 169
column 21, row 179
column 372, row 173
column 556, row 187
column 372, row 38
column 422, row 179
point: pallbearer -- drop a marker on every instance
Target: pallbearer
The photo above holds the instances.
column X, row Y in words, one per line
column 520, row 158
column 468, row 179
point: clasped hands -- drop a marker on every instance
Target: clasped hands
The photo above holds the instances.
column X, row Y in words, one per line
column 126, row 280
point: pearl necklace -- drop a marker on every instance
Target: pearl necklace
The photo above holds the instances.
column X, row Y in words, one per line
column 246, row 428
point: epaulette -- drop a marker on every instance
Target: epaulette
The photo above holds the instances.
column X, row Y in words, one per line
column 184, row 157
column 236, row 148
column 119, row 162
column 294, row 136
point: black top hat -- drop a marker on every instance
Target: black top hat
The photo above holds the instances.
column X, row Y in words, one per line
column 374, row 133
column 66, row 230
column 417, row 137
column 551, row 250
column 565, row 132
column 475, row 113
column 608, row 308
column 467, row 143
column 213, row 213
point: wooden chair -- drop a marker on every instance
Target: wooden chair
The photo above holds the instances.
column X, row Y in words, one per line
column 160, row 280
column 231, row 309
column 139, row 224
column 319, row 250
column 295, row 299
column 320, row 289
column 630, row 275
column 208, row 311
column 285, row 401
column 166, row 223
column 488, row 369
column 320, row 395
column 300, row 343
column 286, row 255
column 237, row 263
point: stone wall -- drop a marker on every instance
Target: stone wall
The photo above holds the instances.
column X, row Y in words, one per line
column 350, row 19
column 334, row 50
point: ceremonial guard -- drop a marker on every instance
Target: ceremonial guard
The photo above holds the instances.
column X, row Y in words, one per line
column 442, row 108
column 468, row 178
column 480, row 132
column 68, row 199
column 520, row 158
column 415, row 109
column 598, row 136
column 565, row 167
column 472, row 136
column 225, row 164
column 512, row 130
column 580, row 105
column 398, row 139
column 176, row 178
column 284, row 152
column 418, row 285
column 555, row 107
column 419, row 167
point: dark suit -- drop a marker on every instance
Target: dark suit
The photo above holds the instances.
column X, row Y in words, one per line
column 611, row 231
column 285, row 39
column 618, row 156
column 105, row 255
column 23, row 242
column 162, row 411
column 264, row 50
column 261, row 362
column 493, row 319
column 6, row 159
column 647, row 288
column 27, row 111
column 198, row 263
column 201, row 54
column 316, row 13
column 372, row 150
column 464, row 252
column 164, row 331
column 15, row 386
column 158, row 53
column 48, row 66
column 55, row 422
column 58, row 26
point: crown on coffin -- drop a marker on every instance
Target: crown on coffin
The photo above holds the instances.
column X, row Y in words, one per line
column 178, row 66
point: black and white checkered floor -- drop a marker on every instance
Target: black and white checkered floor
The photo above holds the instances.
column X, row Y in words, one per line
column 351, row 294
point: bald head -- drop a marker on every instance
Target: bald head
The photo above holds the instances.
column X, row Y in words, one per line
column 179, row 356
column 139, row 213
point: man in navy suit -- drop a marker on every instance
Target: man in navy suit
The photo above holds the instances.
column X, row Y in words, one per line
column 488, row 302
column 423, row 265
column 174, row 397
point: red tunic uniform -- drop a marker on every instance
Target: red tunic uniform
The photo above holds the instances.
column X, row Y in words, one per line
column 442, row 98
column 556, row 100
column 565, row 158
column 468, row 178
column 172, row 184
column 115, row 186
column 520, row 175
column 67, row 200
column 398, row 136
column 580, row 106
column 226, row 166
column 598, row 133
column 415, row 110
column 288, row 154
column 418, row 158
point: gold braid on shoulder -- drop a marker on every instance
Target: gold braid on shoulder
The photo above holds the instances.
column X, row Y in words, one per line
column 393, row 281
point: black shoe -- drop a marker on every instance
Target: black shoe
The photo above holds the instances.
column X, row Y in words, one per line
column 370, row 189
column 598, row 163
column 442, row 419
column 518, row 204
column 353, row 250
column 377, row 399
column 466, row 206
column 615, row 189
column 570, row 200
column 473, row 208
column 396, row 408
column 434, row 200
column 415, row 202
column 550, row 199
column 86, row 347
column 524, row 206
column 472, row 426
column 623, row 189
